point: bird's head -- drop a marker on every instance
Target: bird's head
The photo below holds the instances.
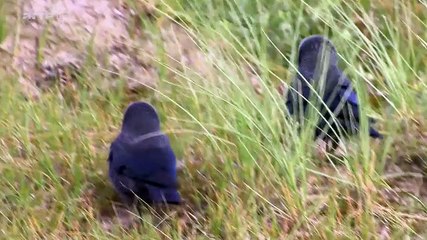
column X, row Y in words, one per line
column 140, row 118
column 313, row 49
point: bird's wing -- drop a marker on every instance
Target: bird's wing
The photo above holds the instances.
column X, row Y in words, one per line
column 154, row 166
column 347, row 91
column 350, row 96
column 351, row 107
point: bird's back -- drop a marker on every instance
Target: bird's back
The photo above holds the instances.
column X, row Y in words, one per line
column 134, row 167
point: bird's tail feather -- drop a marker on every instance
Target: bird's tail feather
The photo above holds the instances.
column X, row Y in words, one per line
column 163, row 195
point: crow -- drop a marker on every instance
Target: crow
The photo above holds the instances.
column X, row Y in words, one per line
column 318, row 70
column 142, row 163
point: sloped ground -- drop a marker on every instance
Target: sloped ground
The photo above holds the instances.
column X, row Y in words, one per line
column 53, row 35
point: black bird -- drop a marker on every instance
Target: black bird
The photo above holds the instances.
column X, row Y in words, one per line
column 318, row 68
column 141, row 160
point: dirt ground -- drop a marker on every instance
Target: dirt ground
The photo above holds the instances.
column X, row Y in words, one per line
column 53, row 35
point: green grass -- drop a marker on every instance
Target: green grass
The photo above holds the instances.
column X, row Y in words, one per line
column 247, row 174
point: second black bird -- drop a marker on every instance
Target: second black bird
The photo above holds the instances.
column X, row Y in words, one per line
column 318, row 69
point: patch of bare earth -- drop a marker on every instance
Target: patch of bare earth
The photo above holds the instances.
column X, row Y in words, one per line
column 53, row 37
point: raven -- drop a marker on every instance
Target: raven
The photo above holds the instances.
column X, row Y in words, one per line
column 141, row 160
column 318, row 70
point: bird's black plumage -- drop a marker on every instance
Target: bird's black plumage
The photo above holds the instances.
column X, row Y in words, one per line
column 318, row 70
column 141, row 160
